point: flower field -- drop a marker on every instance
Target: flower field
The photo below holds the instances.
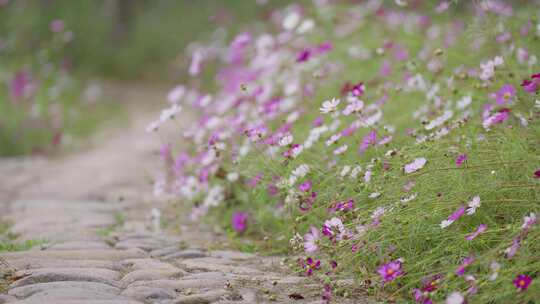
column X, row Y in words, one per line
column 395, row 143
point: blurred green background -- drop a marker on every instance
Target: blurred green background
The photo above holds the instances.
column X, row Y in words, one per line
column 50, row 49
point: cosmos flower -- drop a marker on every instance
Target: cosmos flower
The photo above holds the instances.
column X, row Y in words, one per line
column 531, row 85
column 286, row 140
column 481, row 229
column 311, row 239
column 239, row 221
column 334, row 229
column 56, row 26
column 390, row 271
column 473, row 205
column 464, row 264
column 329, row 106
column 528, row 221
column 311, row 265
column 460, row 159
column 505, row 94
column 416, row 165
column 358, row 89
column 512, row 250
column 305, row 186
column 455, row 298
column 522, row 282
column 453, row 217
column 368, row 140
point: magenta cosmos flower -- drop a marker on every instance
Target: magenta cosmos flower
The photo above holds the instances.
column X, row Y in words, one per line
column 311, row 239
column 522, row 282
column 461, row 159
column 390, row 271
column 239, row 221
column 531, row 85
column 481, row 229
column 505, row 94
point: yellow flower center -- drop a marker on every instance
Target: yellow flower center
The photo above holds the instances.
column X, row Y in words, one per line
column 390, row 271
column 521, row 283
column 507, row 95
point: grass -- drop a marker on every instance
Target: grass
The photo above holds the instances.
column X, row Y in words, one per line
column 9, row 242
column 500, row 166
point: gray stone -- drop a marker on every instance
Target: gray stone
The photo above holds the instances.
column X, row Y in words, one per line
column 186, row 254
column 144, row 244
column 72, row 293
column 151, row 274
column 94, row 254
column 212, row 264
column 202, row 298
column 144, row 293
column 163, row 251
column 182, row 285
column 79, row 245
column 32, row 263
column 232, row 255
column 6, row 299
column 140, row 264
column 29, row 290
column 78, row 301
column 45, row 275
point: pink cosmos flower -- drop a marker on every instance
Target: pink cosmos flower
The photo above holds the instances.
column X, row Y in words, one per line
column 19, row 86
column 416, row 165
column 239, row 221
column 334, row 228
column 303, row 56
column 496, row 118
column 311, row 265
column 466, row 262
column 537, row 173
column 481, row 229
column 531, row 85
column 368, row 140
column 512, row 250
column 461, row 159
column 56, row 26
column 522, row 282
column 421, row 297
column 358, row 89
column 390, row 271
column 455, row 298
column 505, row 94
column 453, row 217
column 311, row 239
column 305, row 186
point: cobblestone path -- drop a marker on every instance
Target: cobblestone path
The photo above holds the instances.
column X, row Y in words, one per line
column 92, row 207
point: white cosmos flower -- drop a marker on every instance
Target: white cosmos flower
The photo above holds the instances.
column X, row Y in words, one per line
column 455, row 298
column 287, row 139
column 329, row 106
column 473, row 205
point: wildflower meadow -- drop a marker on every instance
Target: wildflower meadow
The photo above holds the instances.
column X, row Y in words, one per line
column 391, row 142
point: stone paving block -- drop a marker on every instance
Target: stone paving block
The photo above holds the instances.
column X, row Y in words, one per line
column 45, row 275
column 232, row 255
column 94, row 254
column 202, row 298
column 149, row 294
column 79, row 245
column 186, row 254
column 29, row 290
column 182, row 285
column 78, row 301
column 151, row 274
column 34, row 263
column 140, row 264
column 211, row 264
